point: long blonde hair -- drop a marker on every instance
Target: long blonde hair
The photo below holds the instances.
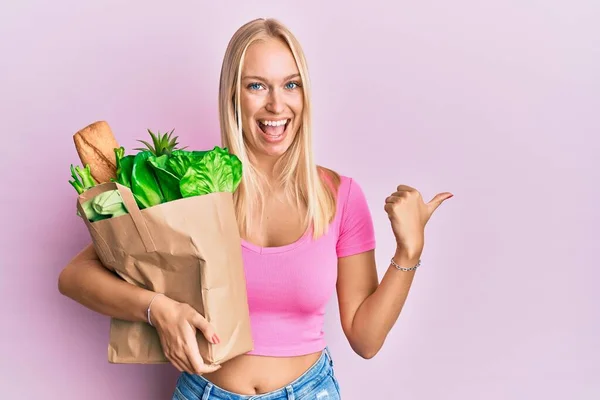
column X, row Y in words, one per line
column 303, row 181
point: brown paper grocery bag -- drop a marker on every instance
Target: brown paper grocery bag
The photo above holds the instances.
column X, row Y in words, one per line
column 190, row 250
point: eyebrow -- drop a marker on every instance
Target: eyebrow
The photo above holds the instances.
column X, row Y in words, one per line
column 260, row 78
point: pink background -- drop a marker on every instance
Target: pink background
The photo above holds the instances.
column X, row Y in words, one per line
column 496, row 101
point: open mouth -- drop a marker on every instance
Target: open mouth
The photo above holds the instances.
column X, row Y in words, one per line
column 274, row 129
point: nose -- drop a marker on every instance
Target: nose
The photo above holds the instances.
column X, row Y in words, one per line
column 275, row 102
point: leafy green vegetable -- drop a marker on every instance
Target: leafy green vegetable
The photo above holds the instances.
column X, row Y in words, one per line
column 168, row 182
column 236, row 171
column 160, row 173
column 181, row 160
column 82, row 181
column 103, row 206
column 82, row 178
column 90, row 212
column 198, row 154
column 109, row 203
column 124, row 167
column 143, row 181
column 217, row 171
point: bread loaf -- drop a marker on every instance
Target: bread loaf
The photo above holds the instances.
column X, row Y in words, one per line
column 95, row 146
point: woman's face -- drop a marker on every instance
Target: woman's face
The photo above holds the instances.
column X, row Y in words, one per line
column 271, row 98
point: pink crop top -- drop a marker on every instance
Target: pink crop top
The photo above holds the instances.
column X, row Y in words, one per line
column 290, row 286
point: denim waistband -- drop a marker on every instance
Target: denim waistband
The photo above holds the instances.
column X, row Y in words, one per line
column 306, row 382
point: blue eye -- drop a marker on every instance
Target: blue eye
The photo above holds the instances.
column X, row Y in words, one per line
column 295, row 85
column 254, row 86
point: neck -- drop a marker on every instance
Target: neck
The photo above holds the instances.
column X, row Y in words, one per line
column 266, row 167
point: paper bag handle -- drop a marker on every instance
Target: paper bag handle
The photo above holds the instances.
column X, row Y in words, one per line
column 131, row 206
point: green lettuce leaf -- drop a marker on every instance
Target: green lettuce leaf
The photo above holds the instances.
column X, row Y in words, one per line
column 217, row 171
column 167, row 180
column 180, row 160
column 236, row 171
column 144, row 185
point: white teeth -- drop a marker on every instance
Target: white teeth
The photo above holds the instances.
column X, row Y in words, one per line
column 274, row 123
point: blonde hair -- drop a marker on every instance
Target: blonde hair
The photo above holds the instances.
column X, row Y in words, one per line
column 302, row 180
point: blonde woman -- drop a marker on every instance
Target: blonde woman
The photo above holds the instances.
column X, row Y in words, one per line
column 306, row 231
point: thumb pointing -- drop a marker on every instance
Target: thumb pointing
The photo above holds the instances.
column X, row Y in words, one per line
column 437, row 200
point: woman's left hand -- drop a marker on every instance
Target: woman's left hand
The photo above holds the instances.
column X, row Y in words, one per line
column 408, row 215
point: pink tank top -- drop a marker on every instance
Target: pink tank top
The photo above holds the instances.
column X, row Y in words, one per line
column 290, row 286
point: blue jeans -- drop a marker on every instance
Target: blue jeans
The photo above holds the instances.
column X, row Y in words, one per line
column 318, row 383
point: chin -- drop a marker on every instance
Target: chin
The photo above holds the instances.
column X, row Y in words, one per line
column 274, row 145
column 273, row 150
column 275, row 153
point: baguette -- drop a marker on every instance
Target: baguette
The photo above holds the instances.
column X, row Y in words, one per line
column 95, row 146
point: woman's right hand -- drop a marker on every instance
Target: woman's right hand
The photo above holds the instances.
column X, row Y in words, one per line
column 176, row 324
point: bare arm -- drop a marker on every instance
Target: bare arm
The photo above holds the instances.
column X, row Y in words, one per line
column 89, row 283
column 368, row 308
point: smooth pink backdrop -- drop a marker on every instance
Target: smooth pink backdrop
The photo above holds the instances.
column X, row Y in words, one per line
column 495, row 101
